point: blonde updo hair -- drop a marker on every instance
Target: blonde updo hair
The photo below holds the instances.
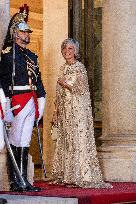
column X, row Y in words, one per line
column 75, row 43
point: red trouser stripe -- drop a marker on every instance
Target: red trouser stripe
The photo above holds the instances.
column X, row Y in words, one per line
column 2, row 114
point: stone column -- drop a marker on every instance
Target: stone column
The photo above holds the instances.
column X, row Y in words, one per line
column 55, row 30
column 4, row 19
column 118, row 151
column 89, row 44
column 77, row 20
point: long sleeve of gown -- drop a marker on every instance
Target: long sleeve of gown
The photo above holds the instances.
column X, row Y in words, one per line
column 80, row 86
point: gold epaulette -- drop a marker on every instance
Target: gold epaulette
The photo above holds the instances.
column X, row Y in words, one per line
column 7, row 50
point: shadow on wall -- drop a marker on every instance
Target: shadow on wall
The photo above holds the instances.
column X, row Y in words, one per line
column 98, row 63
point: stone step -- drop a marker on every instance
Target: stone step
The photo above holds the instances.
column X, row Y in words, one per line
column 130, row 202
column 21, row 199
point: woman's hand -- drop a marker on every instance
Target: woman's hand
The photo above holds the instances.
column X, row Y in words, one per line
column 63, row 83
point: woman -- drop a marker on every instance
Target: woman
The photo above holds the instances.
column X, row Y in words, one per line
column 75, row 161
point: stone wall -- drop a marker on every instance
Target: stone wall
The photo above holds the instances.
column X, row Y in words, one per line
column 4, row 16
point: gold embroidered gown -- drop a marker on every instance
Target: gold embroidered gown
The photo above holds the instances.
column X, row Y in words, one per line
column 75, row 161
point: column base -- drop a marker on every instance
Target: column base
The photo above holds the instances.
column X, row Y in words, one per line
column 118, row 161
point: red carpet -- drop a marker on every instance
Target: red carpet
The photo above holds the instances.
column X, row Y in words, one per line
column 121, row 192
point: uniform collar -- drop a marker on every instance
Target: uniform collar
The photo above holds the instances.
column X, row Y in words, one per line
column 20, row 48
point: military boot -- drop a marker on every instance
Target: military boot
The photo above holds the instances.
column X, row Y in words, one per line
column 22, row 162
column 14, row 181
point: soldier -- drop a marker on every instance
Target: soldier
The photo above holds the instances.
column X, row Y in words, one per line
column 22, row 84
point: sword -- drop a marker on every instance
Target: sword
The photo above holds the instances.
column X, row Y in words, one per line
column 6, row 130
column 14, row 67
column 40, row 147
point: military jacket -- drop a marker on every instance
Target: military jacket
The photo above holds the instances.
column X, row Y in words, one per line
column 26, row 71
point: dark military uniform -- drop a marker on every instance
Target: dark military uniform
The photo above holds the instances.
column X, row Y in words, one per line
column 26, row 71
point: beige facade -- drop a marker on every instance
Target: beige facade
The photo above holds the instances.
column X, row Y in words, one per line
column 55, row 30
column 49, row 21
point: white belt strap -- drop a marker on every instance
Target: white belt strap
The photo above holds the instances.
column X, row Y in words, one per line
column 23, row 88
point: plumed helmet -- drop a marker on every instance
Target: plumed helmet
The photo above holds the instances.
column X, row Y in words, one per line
column 17, row 22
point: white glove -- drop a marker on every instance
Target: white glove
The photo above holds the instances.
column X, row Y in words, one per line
column 8, row 113
column 2, row 142
column 41, row 106
column 3, row 100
